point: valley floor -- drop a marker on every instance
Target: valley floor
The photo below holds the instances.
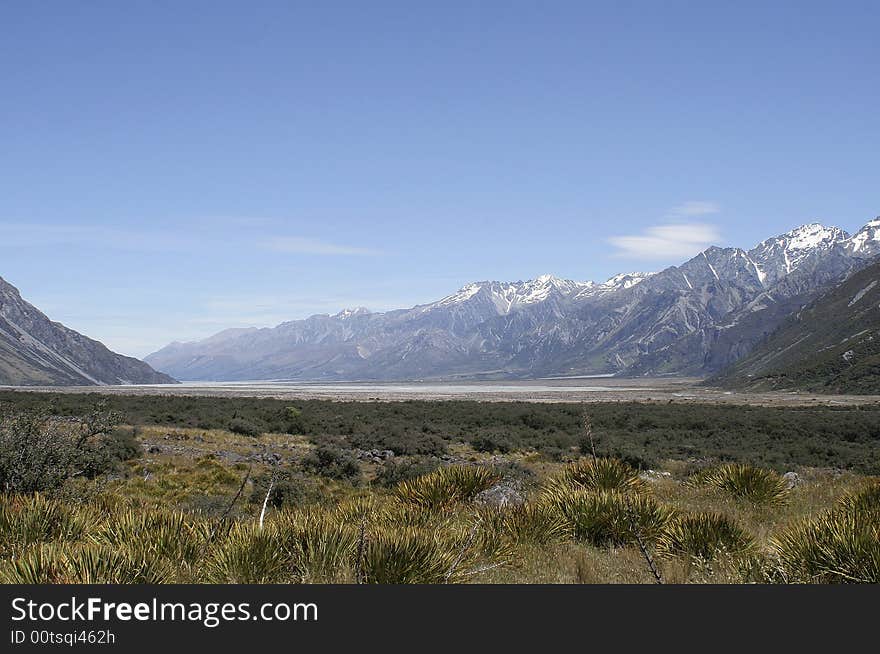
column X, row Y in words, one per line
column 595, row 389
column 251, row 490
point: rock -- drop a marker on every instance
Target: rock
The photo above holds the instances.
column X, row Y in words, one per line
column 271, row 458
column 654, row 475
column 500, row 496
column 154, row 449
column 376, row 456
column 231, row 457
column 792, row 479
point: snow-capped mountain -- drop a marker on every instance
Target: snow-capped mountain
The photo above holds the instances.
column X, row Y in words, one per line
column 36, row 351
column 866, row 242
column 776, row 257
column 693, row 318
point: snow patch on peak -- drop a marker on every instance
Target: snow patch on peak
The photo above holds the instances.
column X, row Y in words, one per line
column 625, row 280
column 355, row 311
column 866, row 242
column 805, row 237
column 780, row 255
column 461, row 295
column 813, row 235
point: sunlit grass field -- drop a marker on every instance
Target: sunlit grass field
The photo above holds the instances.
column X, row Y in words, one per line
column 562, row 497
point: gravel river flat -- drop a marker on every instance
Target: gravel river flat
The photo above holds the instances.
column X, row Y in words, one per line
column 581, row 389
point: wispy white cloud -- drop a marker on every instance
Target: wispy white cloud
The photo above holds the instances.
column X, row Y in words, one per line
column 27, row 235
column 301, row 245
column 667, row 241
column 182, row 237
column 693, row 208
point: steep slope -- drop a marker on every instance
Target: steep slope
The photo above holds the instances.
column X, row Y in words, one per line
column 36, row 351
column 831, row 345
column 695, row 318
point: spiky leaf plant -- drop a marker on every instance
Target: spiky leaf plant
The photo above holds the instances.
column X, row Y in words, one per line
column 836, row 547
column 758, row 486
column 447, row 486
column 42, row 564
column 84, row 564
column 839, row 546
column 601, row 474
column 531, row 524
column 413, row 556
column 249, row 555
column 611, row 518
column 26, row 520
column 320, row 545
column 704, row 536
column 95, row 564
column 864, row 502
column 170, row 535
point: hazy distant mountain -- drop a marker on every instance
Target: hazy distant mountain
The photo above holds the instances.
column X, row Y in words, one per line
column 36, row 351
column 695, row 318
column 832, row 344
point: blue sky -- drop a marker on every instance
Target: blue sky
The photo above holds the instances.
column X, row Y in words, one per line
column 169, row 169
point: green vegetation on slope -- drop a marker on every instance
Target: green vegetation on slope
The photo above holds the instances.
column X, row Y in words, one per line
column 830, row 346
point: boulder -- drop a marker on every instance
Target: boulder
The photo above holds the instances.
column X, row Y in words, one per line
column 792, row 479
column 654, row 475
column 500, row 496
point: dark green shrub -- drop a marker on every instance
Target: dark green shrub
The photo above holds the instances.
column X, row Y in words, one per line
column 290, row 488
column 393, row 471
column 39, row 452
column 296, row 424
column 492, row 443
column 243, row 427
column 333, row 463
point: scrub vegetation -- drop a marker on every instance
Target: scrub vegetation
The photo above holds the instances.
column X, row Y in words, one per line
column 176, row 490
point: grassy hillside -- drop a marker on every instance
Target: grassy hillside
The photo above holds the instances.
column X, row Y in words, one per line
column 832, row 345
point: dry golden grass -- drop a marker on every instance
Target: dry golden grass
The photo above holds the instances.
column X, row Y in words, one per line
column 401, row 540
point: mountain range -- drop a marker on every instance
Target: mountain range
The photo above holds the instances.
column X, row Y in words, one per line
column 36, row 351
column 830, row 345
column 696, row 318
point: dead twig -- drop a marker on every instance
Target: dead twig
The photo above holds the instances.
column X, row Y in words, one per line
column 228, row 510
column 642, row 547
column 360, row 576
column 464, row 548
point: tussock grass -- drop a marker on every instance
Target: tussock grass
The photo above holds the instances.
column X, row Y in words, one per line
column 758, row 486
column 84, row 564
column 249, row 555
column 611, row 518
column 169, row 535
column 320, row 545
column 578, row 527
column 413, row 556
column 29, row 519
column 864, row 502
column 601, row 474
column 841, row 545
column 447, row 486
column 703, row 535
